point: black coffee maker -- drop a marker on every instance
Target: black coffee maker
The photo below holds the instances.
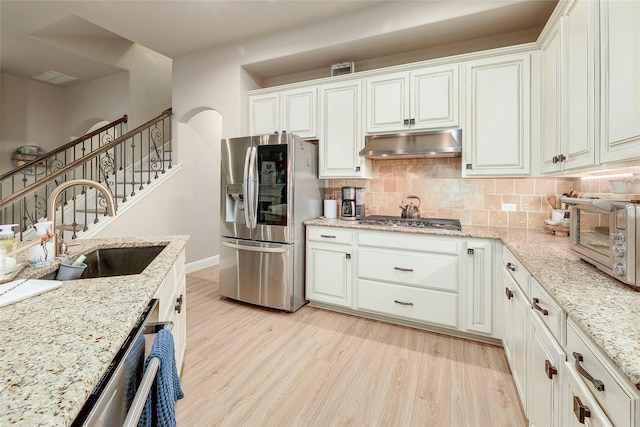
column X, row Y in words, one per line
column 352, row 203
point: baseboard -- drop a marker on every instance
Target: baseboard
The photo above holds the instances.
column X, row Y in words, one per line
column 203, row 263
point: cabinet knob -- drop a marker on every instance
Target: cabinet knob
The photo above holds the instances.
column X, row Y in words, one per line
column 347, row 256
column 550, row 369
column 508, row 293
column 179, row 302
column 412, row 121
column 511, row 267
column 580, row 410
column 405, row 121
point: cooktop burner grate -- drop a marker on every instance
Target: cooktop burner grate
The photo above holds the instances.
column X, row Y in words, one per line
column 394, row 221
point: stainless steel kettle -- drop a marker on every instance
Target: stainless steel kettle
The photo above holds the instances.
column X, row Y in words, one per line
column 409, row 210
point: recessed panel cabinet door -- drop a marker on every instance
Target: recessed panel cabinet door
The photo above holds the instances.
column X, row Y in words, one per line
column 546, row 361
column 579, row 78
column 341, row 136
column 264, row 113
column 620, row 71
column 497, row 128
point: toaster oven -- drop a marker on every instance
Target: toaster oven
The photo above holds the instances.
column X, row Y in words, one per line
column 604, row 232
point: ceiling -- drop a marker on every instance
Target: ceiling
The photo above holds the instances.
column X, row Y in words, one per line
column 39, row 36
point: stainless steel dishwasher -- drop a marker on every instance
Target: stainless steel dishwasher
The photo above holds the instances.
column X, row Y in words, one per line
column 119, row 396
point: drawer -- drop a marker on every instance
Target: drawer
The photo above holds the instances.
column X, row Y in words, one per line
column 516, row 269
column 330, row 235
column 410, row 242
column 405, row 302
column 617, row 399
column 425, row 270
column 546, row 308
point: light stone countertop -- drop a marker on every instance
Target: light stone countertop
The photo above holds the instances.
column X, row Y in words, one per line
column 607, row 310
column 56, row 346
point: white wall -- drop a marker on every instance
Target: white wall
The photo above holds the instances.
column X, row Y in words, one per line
column 32, row 114
column 188, row 202
column 94, row 101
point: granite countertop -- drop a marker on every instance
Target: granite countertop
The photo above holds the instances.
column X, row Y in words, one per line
column 607, row 310
column 56, row 346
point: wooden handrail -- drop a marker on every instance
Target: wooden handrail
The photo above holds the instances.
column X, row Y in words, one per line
column 64, row 147
column 51, row 177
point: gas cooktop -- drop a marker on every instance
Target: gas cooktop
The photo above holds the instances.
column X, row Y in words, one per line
column 395, row 221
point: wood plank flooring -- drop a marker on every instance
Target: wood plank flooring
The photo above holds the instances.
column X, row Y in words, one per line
column 250, row 366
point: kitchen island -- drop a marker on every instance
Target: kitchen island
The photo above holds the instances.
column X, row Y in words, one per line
column 607, row 310
column 56, row 346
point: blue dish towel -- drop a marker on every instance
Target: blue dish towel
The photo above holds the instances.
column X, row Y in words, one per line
column 160, row 409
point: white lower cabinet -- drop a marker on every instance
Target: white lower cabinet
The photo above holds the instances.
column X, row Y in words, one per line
column 410, row 276
column 173, row 306
column 609, row 397
column 546, row 360
column 421, row 280
column 579, row 408
column 329, row 274
column 516, row 324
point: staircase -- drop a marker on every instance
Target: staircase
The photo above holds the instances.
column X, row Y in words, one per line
column 127, row 165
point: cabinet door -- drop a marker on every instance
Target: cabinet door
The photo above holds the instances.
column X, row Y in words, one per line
column 434, row 97
column 329, row 274
column 620, row 68
column 478, row 287
column 546, row 361
column 498, row 120
column 516, row 331
column 579, row 79
column 552, row 101
column 341, row 136
column 300, row 112
column 388, row 103
column 264, row 113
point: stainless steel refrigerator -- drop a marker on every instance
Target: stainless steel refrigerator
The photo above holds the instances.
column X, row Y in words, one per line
column 269, row 187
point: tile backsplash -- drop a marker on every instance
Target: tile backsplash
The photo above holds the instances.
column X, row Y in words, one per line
column 443, row 193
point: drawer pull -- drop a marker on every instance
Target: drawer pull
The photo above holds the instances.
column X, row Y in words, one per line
column 403, row 269
column 402, row 302
column 580, row 410
column 327, row 236
column 550, row 369
column 599, row 385
column 537, row 307
column 508, row 293
column 179, row 301
column 511, row 267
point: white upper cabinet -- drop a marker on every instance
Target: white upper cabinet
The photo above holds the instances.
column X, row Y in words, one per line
column 497, row 126
column 620, row 80
column 580, row 80
column 341, row 137
column 292, row 111
column 413, row 100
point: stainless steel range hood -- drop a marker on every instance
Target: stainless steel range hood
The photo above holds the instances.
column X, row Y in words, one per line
column 437, row 143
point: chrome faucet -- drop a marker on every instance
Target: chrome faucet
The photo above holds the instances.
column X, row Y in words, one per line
column 59, row 245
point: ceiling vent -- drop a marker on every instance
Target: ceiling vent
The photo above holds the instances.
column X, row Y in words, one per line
column 54, row 77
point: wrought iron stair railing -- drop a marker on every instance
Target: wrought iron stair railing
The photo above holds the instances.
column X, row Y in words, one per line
column 124, row 162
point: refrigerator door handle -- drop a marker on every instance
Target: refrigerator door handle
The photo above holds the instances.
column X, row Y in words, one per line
column 245, row 188
column 253, row 177
column 254, row 248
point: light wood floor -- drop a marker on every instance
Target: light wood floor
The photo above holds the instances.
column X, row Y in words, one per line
column 249, row 366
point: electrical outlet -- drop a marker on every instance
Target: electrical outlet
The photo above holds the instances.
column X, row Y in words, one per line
column 509, row 207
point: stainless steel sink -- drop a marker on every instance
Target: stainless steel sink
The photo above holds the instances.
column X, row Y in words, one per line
column 109, row 262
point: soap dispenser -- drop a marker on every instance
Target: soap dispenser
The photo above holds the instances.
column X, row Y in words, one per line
column 7, row 237
column 43, row 253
